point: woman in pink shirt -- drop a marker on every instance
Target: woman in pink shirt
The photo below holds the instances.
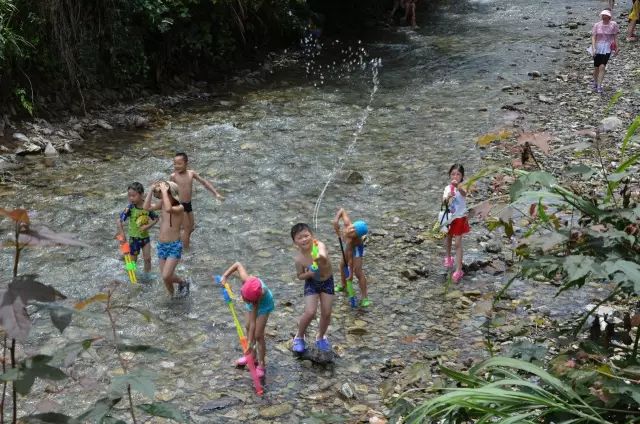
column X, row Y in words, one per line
column 604, row 39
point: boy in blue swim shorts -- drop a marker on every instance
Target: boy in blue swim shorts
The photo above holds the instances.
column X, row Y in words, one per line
column 353, row 233
column 259, row 304
column 169, row 246
column 315, row 270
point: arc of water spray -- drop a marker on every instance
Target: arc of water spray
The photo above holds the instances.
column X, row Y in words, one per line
column 375, row 65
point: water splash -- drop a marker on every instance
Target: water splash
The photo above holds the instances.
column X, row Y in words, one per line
column 375, row 66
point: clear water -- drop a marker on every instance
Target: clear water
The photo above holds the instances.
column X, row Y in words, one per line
column 271, row 154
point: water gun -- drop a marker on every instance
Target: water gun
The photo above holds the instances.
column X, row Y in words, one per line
column 349, row 283
column 314, row 254
column 129, row 263
column 227, row 295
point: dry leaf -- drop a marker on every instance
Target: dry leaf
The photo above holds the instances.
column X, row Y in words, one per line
column 635, row 320
column 540, row 140
column 42, row 236
column 481, row 210
column 100, row 297
column 489, row 138
column 18, row 215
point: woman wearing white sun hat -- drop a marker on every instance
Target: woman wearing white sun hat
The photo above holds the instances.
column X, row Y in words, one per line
column 604, row 39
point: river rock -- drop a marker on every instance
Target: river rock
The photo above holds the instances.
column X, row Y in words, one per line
column 18, row 136
column 276, row 410
column 218, row 404
column 355, row 178
column 545, row 99
column 49, row 150
column 28, row 149
column 347, row 391
column 494, row 246
column 534, row 74
column 104, row 124
column 610, row 123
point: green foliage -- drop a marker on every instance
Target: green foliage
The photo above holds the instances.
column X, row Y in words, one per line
column 164, row 410
column 140, row 380
column 507, row 390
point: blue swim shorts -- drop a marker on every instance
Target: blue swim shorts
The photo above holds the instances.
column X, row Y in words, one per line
column 358, row 251
column 266, row 305
column 171, row 249
column 136, row 244
column 312, row 287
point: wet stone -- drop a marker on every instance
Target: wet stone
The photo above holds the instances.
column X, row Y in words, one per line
column 276, row 410
column 218, row 404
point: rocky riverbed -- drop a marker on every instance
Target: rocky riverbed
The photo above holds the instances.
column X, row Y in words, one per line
column 419, row 319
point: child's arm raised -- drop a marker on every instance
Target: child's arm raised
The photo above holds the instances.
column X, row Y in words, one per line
column 148, row 206
column 242, row 272
column 207, row 185
column 341, row 214
column 166, row 201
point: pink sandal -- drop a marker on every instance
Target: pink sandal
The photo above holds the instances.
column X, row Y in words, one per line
column 241, row 362
column 448, row 262
column 260, row 371
column 457, row 276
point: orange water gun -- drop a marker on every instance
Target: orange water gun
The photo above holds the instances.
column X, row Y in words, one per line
column 129, row 263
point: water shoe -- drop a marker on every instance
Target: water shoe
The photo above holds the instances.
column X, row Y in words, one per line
column 323, row 345
column 457, row 276
column 365, row 303
column 298, row 345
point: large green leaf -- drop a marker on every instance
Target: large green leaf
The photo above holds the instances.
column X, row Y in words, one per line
column 578, row 267
column 61, row 317
column 164, row 410
column 525, row 182
column 140, row 380
column 99, row 410
column 21, row 290
column 36, row 367
column 630, row 132
column 624, row 272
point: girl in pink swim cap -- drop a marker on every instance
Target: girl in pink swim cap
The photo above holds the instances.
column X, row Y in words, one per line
column 259, row 304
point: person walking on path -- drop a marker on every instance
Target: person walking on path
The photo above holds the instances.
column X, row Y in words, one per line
column 604, row 40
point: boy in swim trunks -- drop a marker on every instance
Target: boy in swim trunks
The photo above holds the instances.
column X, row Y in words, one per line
column 169, row 246
column 318, row 287
column 140, row 221
column 353, row 234
column 184, row 178
column 259, row 304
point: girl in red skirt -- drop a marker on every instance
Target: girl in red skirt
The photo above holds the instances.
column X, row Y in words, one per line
column 455, row 195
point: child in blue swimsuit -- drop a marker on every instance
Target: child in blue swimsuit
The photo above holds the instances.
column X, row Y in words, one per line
column 353, row 234
column 259, row 304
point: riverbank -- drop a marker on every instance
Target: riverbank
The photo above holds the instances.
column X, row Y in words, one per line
column 560, row 116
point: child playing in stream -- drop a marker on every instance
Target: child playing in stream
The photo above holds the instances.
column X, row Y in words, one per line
column 318, row 286
column 169, row 246
column 454, row 196
column 140, row 221
column 259, row 303
column 353, row 234
column 184, row 177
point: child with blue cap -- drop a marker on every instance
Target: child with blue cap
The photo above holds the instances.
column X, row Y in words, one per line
column 353, row 233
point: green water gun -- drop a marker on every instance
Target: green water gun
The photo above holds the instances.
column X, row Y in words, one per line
column 315, row 252
column 349, row 283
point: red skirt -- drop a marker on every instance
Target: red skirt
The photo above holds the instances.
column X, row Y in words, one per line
column 459, row 226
